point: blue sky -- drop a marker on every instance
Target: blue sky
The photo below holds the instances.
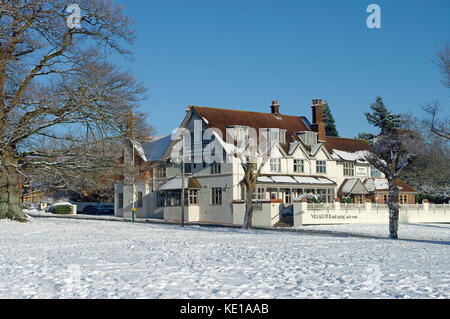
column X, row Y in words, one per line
column 244, row 54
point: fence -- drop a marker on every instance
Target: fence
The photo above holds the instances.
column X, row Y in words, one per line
column 367, row 213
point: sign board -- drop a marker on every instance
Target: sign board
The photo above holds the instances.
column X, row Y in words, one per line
column 362, row 171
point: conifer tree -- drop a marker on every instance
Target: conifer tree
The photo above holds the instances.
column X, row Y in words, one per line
column 393, row 149
column 330, row 123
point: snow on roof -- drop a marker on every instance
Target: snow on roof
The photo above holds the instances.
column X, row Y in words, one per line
column 139, row 149
column 229, row 148
column 313, row 180
column 370, row 185
column 292, row 147
column 155, row 150
column 358, row 157
column 315, row 148
column 265, row 179
column 348, row 185
column 381, row 184
column 283, row 179
column 175, row 184
column 303, row 180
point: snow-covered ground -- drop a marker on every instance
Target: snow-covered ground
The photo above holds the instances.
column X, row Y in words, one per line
column 63, row 258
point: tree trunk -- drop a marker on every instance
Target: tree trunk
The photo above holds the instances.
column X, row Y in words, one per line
column 393, row 208
column 249, row 208
column 10, row 199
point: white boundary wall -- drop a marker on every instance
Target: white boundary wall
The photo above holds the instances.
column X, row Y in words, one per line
column 266, row 213
column 321, row 214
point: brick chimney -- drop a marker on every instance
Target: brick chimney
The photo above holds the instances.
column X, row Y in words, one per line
column 318, row 125
column 275, row 108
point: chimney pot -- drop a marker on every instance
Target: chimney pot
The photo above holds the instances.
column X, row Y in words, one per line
column 275, row 108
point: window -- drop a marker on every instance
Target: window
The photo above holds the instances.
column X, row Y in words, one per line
column 161, row 173
column 287, row 196
column 322, row 193
column 160, row 200
column 349, row 169
column 120, row 200
column 299, row 166
column 283, row 137
column 260, row 193
column 275, row 137
column 216, row 168
column 374, row 172
column 321, row 167
column 193, row 197
column 275, row 165
column 403, row 199
column 216, row 196
column 331, row 196
column 139, row 200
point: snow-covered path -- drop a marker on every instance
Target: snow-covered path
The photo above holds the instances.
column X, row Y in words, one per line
column 60, row 258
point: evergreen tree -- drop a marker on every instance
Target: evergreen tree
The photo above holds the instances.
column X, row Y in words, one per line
column 393, row 149
column 330, row 124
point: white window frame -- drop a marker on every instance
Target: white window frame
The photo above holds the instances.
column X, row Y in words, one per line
column 349, row 169
column 299, row 163
column 275, row 165
column 216, row 196
column 321, row 167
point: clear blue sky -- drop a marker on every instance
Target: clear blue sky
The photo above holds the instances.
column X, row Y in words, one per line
column 244, row 54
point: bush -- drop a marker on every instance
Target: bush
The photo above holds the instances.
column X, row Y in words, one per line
column 27, row 206
column 62, row 210
column 346, row 200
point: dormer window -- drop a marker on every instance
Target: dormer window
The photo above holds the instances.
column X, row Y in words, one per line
column 308, row 138
column 238, row 133
column 274, row 136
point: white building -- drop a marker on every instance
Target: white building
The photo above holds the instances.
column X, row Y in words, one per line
column 303, row 161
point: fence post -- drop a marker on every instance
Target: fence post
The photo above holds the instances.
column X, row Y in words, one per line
column 368, row 205
column 298, row 213
column 337, row 205
column 426, row 206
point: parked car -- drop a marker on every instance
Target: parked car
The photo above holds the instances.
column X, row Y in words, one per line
column 98, row 210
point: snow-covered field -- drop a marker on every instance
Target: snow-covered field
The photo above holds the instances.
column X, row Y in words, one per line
column 61, row 258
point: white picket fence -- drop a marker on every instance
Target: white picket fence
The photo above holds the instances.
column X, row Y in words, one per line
column 368, row 213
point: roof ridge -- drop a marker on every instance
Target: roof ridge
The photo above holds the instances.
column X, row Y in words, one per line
column 347, row 138
column 232, row 110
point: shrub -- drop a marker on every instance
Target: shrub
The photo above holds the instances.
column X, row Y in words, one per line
column 27, row 206
column 62, row 210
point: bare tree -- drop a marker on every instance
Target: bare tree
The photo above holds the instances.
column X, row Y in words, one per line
column 392, row 151
column 253, row 157
column 251, row 173
column 443, row 62
column 440, row 127
column 59, row 98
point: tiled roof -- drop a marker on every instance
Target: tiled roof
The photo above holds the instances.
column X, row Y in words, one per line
column 383, row 185
column 346, row 144
column 223, row 118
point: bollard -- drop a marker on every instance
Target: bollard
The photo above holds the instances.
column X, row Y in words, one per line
column 133, row 214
